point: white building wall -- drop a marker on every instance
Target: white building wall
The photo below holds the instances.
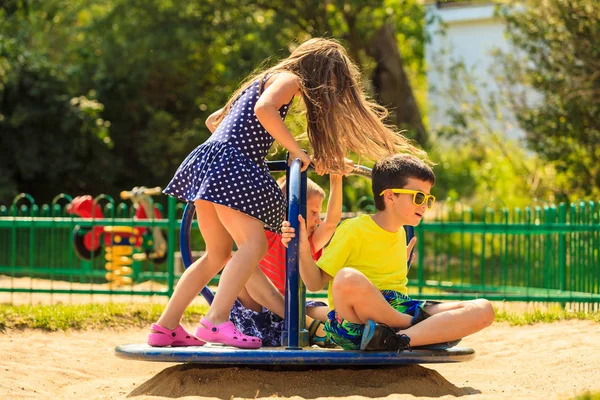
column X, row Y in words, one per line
column 472, row 33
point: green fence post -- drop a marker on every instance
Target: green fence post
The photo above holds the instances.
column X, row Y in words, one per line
column 581, row 267
column 172, row 205
column 589, row 247
column 471, row 248
column 483, row 244
column 596, row 249
column 505, row 255
column 547, row 265
column 419, row 232
column 562, row 248
column 572, row 273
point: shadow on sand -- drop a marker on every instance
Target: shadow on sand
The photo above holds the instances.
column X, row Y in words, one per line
column 227, row 382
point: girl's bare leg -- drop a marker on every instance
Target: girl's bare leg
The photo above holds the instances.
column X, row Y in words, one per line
column 248, row 234
column 218, row 250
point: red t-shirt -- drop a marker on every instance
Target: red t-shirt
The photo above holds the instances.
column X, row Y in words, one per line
column 273, row 265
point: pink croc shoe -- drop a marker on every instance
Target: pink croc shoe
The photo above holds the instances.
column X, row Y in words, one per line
column 227, row 334
column 178, row 337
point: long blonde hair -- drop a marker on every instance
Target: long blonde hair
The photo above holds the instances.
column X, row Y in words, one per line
column 340, row 116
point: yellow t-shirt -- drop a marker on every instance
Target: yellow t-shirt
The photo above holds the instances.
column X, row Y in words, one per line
column 361, row 244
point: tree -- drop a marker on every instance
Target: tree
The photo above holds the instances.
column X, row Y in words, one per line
column 385, row 37
column 49, row 138
column 157, row 68
column 559, row 57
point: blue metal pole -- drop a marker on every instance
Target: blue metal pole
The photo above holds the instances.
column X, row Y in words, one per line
column 303, row 338
column 292, row 306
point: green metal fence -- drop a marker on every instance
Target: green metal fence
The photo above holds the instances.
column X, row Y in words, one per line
column 543, row 254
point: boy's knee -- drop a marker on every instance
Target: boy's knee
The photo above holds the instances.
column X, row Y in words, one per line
column 349, row 280
column 485, row 312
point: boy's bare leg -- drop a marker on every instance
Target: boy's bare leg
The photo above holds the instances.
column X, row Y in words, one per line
column 261, row 292
column 357, row 300
column 319, row 312
column 248, row 302
column 264, row 292
column 451, row 321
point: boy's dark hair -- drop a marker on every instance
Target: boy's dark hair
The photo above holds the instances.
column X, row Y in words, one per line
column 393, row 172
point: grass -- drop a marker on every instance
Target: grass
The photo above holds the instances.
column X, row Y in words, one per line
column 86, row 316
column 122, row 315
column 588, row 396
column 535, row 317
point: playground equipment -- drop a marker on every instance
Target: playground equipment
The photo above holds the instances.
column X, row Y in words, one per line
column 295, row 336
column 118, row 254
column 120, row 241
column 149, row 243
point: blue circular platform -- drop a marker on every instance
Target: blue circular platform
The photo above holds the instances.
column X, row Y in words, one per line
column 224, row 355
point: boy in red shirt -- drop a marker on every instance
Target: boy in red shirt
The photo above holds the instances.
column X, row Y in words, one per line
column 260, row 308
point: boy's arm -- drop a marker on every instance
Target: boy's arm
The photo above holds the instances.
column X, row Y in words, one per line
column 313, row 277
column 325, row 230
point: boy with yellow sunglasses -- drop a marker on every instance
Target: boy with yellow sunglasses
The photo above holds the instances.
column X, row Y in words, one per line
column 366, row 268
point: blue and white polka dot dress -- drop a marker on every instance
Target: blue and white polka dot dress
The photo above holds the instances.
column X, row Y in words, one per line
column 229, row 168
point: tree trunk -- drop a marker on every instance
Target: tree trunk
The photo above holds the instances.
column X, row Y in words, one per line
column 391, row 85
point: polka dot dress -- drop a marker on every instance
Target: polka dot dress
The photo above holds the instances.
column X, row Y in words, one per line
column 229, row 168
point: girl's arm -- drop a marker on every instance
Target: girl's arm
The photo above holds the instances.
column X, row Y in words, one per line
column 210, row 121
column 281, row 88
column 325, row 230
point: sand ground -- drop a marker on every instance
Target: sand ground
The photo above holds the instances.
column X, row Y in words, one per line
column 543, row 361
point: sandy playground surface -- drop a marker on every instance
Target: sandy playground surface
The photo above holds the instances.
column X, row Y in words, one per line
column 543, row 361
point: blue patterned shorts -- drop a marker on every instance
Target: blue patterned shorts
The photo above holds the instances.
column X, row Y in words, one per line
column 265, row 325
column 348, row 334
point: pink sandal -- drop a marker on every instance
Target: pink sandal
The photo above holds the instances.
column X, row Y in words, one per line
column 177, row 337
column 227, row 334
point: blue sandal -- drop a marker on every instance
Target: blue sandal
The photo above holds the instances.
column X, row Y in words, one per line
column 314, row 339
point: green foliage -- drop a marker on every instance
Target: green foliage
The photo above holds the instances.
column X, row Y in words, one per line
column 559, row 49
column 49, row 139
column 161, row 69
column 154, row 70
column 478, row 164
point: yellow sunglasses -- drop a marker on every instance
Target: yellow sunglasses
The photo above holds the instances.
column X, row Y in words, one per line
column 418, row 197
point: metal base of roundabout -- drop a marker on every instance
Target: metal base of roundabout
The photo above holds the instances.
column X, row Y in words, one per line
column 224, row 355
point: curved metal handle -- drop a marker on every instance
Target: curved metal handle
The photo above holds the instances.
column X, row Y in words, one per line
column 139, row 191
column 361, row 170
